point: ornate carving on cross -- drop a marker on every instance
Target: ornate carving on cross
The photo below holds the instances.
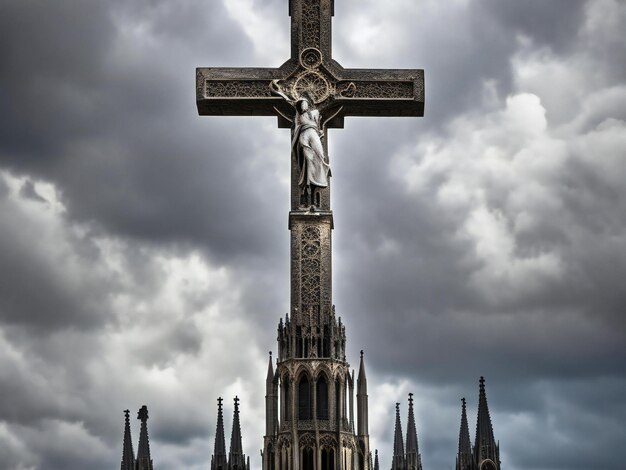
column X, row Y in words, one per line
column 310, row 76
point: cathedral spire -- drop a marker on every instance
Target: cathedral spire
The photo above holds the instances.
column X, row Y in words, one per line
column 361, row 401
column 399, row 459
column 464, row 456
column 144, row 461
column 236, row 457
column 218, row 459
column 271, row 401
column 413, row 458
column 376, row 465
column 128, row 454
column 485, row 446
column 361, row 387
column 270, row 373
column 362, row 417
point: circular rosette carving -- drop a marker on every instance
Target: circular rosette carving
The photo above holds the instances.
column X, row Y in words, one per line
column 310, row 58
column 313, row 84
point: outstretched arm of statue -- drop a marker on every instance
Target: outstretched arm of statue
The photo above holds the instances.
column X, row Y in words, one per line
column 277, row 90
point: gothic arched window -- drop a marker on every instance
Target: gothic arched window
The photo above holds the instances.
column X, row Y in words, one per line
column 299, row 341
column 270, row 457
column 361, row 455
column 307, row 459
column 285, row 399
column 488, row 465
column 322, row 398
column 328, row 459
column 304, row 398
column 337, row 402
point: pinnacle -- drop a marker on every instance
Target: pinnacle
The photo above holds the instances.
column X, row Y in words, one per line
column 270, row 372
column 484, row 443
column 465, row 446
column 144, row 460
column 399, row 460
column 411, row 432
column 362, row 378
column 236, row 458
column 219, row 460
column 128, row 454
column 235, row 438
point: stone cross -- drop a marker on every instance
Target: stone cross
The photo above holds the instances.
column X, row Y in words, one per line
column 310, row 93
column 311, row 74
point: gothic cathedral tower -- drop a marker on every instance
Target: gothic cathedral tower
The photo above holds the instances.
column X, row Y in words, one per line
column 310, row 395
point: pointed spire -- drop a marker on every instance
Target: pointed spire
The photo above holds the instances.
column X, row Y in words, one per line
column 376, row 465
column 362, row 402
column 361, row 387
column 128, row 454
column 351, row 400
column 411, row 431
column 464, row 456
column 218, row 459
column 271, row 401
column 485, row 446
column 144, row 461
column 399, row 459
column 270, row 374
column 236, row 457
column 235, row 436
column 465, row 446
column 413, row 458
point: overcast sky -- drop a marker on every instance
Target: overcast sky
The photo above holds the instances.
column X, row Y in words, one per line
column 144, row 249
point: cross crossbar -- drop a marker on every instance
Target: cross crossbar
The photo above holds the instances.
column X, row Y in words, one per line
column 335, row 91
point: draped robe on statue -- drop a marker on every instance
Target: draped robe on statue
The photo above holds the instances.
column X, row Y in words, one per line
column 308, row 150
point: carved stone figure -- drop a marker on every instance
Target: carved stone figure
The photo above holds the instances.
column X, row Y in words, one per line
column 308, row 149
column 306, row 145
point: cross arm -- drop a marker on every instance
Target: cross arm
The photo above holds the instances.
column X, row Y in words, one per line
column 240, row 91
column 379, row 92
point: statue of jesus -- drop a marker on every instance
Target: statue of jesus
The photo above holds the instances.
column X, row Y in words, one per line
column 307, row 148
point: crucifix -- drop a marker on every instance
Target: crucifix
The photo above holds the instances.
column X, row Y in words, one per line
column 310, row 93
column 330, row 91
